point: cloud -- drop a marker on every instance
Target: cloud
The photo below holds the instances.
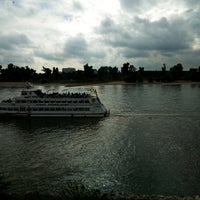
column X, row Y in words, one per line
column 77, row 6
column 14, row 41
column 18, row 58
column 16, row 48
column 78, row 47
column 49, row 56
column 137, row 6
column 75, row 47
column 161, row 35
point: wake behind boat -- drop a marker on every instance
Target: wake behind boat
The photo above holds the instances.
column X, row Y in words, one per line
column 35, row 103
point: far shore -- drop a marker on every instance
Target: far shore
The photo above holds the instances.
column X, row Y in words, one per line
column 67, row 84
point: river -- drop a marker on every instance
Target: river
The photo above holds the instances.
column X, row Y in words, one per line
column 150, row 144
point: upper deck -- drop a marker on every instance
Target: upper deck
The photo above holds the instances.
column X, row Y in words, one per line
column 39, row 94
column 38, row 97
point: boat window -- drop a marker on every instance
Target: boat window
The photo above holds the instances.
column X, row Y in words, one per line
column 40, row 109
column 46, row 109
column 86, row 101
column 69, row 101
column 81, row 101
column 74, row 101
column 34, row 101
column 35, row 109
column 84, row 109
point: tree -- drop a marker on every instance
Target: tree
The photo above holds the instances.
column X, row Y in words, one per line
column 164, row 68
column 46, row 71
column 89, row 72
column 132, row 68
column 103, row 73
column 55, row 73
column 176, row 71
column 125, row 69
column 46, row 77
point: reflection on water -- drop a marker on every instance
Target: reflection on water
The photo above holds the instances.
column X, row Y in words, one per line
column 28, row 124
column 44, row 149
column 149, row 145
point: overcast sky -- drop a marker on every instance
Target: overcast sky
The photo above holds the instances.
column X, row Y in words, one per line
column 70, row 33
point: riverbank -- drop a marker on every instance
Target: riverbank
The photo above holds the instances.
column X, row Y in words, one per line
column 27, row 84
column 103, row 197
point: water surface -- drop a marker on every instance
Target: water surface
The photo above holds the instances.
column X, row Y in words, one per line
column 149, row 144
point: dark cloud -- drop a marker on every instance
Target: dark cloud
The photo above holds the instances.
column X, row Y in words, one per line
column 77, row 6
column 78, row 47
column 192, row 21
column 49, row 56
column 18, row 58
column 132, row 53
column 75, row 47
column 13, row 41
column 162, row 35
column 114, row 34
column 144, row 35
column 137, row 5
column 192, row 3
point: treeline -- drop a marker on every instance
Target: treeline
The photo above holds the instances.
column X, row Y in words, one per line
column 127, row 72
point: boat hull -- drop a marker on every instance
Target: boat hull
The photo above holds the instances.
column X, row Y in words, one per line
column 25, row 114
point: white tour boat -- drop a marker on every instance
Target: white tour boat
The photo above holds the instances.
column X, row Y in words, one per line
column 35, row 103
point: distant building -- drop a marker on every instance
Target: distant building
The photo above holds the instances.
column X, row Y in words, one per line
column 68, row 70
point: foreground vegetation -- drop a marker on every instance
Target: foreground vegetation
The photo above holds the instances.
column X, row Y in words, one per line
column 127, row 73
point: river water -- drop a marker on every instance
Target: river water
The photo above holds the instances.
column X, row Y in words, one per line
column 150, row 144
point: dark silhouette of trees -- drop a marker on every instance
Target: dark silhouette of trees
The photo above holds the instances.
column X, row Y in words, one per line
column 128, row 73
column 103, row 74
column 15, row 73
column 55, row 73
column 125, row 69
column 88, row 72
column 194, row 74
column 176, row 71
column 108, row 73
